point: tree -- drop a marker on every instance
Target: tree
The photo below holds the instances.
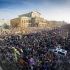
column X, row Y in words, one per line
column 5, row 26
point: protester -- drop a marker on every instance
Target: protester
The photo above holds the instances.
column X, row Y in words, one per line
column 32, row 51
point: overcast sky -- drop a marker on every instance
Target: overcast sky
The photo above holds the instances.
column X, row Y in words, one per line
column 50, row 9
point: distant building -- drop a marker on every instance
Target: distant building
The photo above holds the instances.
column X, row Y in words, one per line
column 31, row 19
column 31, row 22
column 27, row 23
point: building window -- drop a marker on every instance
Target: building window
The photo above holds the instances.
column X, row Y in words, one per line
column 29, row 21
column 22, row 21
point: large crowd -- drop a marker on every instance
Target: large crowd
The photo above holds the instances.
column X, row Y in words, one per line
column 32, row 51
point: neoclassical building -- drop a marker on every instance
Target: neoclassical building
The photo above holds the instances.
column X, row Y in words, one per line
column 31, row 19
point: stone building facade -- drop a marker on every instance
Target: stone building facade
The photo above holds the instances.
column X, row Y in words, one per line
column 31, row 19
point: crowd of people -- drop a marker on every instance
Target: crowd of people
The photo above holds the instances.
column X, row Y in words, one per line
column 32, row 51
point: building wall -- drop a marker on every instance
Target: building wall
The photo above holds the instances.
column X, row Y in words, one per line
column 42, row 25
column 15, row 22
column 36, row 14
column 25, row 21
